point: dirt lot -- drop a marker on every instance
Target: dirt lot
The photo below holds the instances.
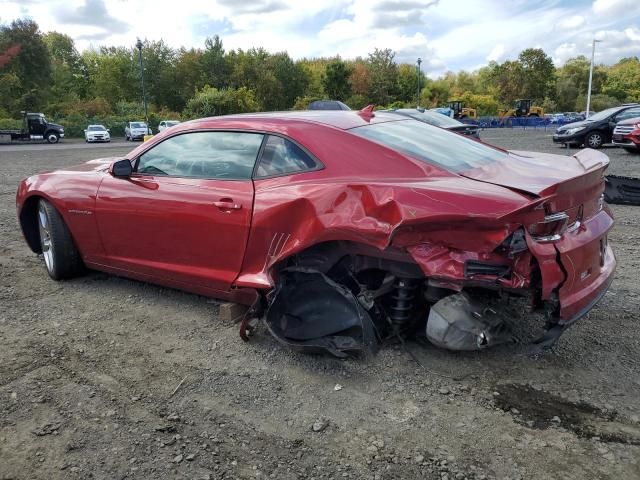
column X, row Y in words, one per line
column 107, row 378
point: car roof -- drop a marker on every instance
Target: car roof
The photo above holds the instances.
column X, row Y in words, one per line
column 342, row 119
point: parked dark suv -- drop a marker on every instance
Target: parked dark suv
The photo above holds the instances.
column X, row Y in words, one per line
column 597, row 129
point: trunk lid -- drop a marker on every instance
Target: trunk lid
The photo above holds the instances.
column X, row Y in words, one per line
column 542, row 174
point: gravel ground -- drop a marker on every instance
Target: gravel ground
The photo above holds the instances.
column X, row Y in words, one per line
column 104, row 378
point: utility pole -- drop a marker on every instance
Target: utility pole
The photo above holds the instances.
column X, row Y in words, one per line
column 144, row 95
column 593, row 52
column 419, row 72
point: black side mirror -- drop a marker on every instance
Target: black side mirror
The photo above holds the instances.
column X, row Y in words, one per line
column 122, row 169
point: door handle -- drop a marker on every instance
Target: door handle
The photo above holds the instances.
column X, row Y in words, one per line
column 227, row 204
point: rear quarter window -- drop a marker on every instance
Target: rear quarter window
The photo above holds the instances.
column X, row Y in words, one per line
column 431, row 144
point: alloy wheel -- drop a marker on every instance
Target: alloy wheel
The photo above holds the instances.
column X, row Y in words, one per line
column 594, row 140
column 45, row 238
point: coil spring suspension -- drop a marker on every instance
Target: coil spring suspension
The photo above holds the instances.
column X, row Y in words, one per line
column 403, row 295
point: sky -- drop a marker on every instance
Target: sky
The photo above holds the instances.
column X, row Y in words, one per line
column 445, row 34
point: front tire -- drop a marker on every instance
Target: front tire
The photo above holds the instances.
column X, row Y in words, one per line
column 52, row 137
column 61, row 257
column 594, row 140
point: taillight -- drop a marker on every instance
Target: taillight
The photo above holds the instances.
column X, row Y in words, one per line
column 551, row 228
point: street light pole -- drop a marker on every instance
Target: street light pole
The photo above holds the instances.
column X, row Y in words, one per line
column 419, row 71
column 593, row 52
column 144, row 95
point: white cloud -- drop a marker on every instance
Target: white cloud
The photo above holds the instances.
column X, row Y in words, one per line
column 614, row 7
column 496, row 53
column 447, row 35
column 574, row 21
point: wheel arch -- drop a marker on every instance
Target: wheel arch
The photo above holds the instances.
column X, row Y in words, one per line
column 324, row 255
column 29, row 222
column 606, row 137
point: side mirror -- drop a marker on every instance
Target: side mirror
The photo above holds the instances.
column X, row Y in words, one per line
column 122, row 169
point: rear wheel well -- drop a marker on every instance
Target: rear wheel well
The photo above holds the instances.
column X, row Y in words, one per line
column 29, row 223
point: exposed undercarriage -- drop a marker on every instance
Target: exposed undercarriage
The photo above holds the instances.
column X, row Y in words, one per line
column 345, row 299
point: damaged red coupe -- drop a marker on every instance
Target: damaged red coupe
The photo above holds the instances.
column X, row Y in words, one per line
column 341, row 229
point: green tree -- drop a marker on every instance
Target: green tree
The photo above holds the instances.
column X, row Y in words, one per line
column 315, row 71
column 291, row 78
column 508, row 79
column 215, row 68
column 623, row 80
column 160, row 75
column 113, row 74
column 383, row 73
column 538, row 74
column 572, row 82
column 69, row 79
column 408, row 82
column 210, row 102
column 336, row 80
column 189, row 77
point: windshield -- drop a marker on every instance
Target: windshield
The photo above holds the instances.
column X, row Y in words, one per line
column 96, row 128
column 138, row 125
column 603, row 114
column 171, row 123
column 431, row 145
column 434, row 118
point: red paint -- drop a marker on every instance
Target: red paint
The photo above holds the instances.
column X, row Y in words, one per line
column 221, row 238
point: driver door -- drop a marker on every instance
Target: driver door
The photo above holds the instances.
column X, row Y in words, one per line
column 183, row 217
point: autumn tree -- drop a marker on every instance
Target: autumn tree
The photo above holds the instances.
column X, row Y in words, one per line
column 31, row 64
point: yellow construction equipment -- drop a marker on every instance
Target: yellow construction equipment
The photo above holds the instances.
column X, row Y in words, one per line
column 523, row 108
column 460, row 111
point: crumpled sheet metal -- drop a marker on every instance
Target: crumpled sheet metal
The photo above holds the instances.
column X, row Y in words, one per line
column 301, row 214
column 444, row 263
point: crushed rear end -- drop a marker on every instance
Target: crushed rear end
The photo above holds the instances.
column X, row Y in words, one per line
column 463, row 261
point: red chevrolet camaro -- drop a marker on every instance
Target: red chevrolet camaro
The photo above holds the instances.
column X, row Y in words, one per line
column 341, row 229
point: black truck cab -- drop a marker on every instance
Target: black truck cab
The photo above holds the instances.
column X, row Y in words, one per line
column 35, row 127
column 39, row 128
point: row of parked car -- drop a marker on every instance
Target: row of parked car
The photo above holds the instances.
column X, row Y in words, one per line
column 567, row 117
column 133, row 131
column 618, row 125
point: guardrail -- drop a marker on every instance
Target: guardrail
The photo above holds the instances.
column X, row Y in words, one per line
column 518, row 122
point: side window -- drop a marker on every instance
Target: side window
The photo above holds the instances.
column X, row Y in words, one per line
column 222, row 155
column 630, row 113
column 281, row 156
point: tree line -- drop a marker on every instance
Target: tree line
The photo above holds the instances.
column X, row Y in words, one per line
column 45, row 72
